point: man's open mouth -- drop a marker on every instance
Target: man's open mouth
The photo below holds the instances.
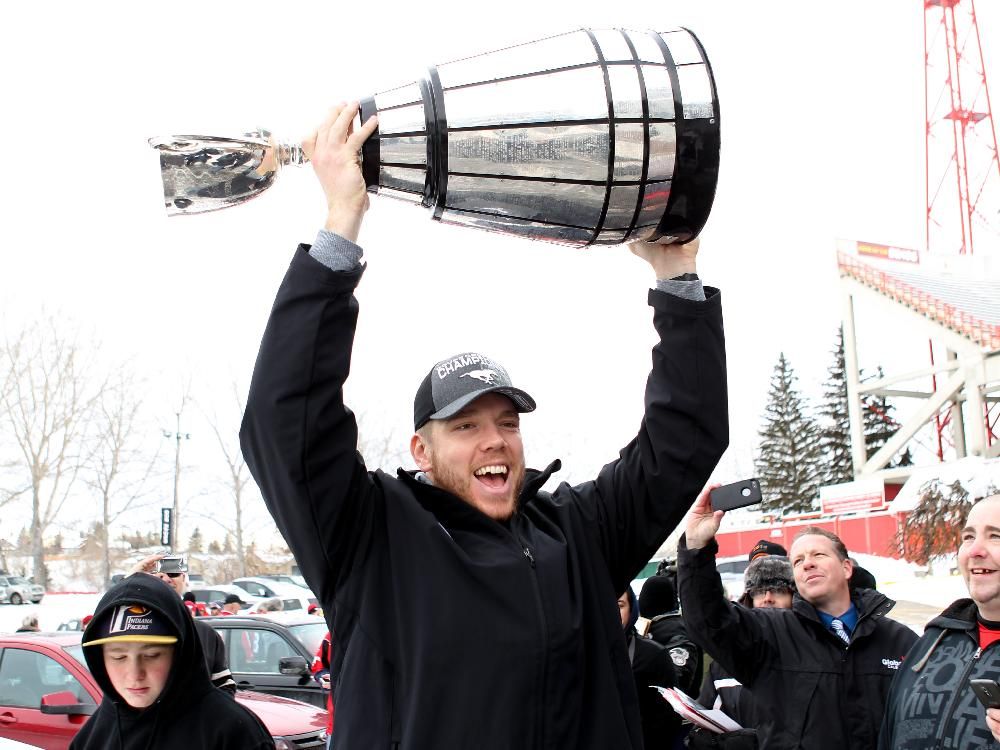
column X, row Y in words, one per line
column 981, row 571
column 493, row 476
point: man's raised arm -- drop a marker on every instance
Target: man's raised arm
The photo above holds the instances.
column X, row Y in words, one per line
column 640, row 498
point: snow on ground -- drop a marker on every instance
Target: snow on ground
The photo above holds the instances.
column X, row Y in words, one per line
column 899, row 580
column 51, row 611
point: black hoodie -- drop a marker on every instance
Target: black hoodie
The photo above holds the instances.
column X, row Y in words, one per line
column 190, row 712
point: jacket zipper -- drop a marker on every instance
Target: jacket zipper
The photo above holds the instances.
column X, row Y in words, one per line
column 540, row 729
column 958, row 695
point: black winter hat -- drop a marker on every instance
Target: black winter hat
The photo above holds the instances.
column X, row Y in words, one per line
column 658, row 596
column 769, row 573
column 764, row 547
column 861, row 578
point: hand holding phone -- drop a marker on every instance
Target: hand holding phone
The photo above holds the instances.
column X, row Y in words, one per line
column 988, row 692
column 736, row 495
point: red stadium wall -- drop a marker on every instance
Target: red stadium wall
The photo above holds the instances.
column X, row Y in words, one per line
column 872, row 534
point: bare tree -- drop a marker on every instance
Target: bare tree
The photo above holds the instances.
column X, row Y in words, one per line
column 236, row 477
column 121, row 466
column 46, row 410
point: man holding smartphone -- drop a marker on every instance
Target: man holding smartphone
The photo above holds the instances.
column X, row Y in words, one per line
column 820, row 671
column 932, row 703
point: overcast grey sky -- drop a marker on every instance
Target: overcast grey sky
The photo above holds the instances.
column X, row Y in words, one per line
column 822, row 118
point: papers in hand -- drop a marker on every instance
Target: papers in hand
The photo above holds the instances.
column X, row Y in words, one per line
column 711, row 719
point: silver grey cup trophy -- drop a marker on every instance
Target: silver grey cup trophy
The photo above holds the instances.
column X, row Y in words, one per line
column 590, row 137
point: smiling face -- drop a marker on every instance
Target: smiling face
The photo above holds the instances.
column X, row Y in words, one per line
column 138, row 671
column 476, row 454
column 979, row 556
column 821, row 574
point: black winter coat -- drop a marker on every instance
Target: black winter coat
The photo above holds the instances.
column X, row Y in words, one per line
column 453, row 630
column 670, row 632
column 930, row 704
column 190, row 714
column 810, row 689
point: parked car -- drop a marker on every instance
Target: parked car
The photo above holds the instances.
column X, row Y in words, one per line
column 292, row 597
column 273, row 653
column 295, row 580
column 731, row 571
column 47, row 693
column 206, row 594
column 19, row 590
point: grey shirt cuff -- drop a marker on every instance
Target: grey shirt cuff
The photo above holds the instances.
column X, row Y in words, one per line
column 692, row 290
column 335, row 252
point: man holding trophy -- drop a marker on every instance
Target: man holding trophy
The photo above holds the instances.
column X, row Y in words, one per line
column 471, row 608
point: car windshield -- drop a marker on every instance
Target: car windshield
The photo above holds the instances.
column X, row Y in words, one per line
column 15, row 580
column 310, row 634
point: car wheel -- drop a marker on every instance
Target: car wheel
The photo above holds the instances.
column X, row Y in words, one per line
column 15, row 599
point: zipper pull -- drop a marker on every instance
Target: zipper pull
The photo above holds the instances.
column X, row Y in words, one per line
column 979, row 652
column 531, row 558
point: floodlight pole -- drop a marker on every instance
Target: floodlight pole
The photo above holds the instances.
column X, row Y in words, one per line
column 175, row 514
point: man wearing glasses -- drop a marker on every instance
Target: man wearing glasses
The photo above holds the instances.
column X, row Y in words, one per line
column 172, row 569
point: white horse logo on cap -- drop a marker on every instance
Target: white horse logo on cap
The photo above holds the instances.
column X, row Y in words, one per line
column 487, row 376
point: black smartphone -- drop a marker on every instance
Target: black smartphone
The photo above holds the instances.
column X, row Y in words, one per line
column 736, row 495
column 988, row 692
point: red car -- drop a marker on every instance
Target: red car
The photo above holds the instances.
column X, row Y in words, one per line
column 47, row 693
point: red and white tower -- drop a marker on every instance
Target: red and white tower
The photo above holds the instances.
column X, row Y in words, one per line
column 962, row 165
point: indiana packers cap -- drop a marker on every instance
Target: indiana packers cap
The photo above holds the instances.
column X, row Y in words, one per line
column 129, row 622
column 455, row 382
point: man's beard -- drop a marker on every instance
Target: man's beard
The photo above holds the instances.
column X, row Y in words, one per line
column 461, row 486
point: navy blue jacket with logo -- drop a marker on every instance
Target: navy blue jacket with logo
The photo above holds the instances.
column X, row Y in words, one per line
column 453, row 630
column 931, row 704
column 810, row 689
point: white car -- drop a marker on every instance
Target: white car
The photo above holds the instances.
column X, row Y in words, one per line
column 208, row 594
column 293, row 598
column 731, row 571
column 6, row 744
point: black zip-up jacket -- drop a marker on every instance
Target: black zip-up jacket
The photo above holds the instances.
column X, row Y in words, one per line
column 931, row 704
column 190, row 714
column 453, row 630
column 810, row 689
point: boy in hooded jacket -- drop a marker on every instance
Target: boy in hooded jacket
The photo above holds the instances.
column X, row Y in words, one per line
column 143, row 650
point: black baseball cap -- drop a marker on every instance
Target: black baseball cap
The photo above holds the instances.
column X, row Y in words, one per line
column 233, row 599
column 130, row 623
column 454, row 383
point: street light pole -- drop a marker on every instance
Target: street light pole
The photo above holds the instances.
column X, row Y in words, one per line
column 175, row 515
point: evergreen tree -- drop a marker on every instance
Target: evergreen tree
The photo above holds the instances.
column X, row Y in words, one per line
column 789, row 464
column 214, row 548
column 880, row 424
column 835, row 431
column 196, row 544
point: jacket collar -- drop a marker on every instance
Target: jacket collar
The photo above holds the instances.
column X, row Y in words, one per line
column 870, row 604
column 960, row 615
